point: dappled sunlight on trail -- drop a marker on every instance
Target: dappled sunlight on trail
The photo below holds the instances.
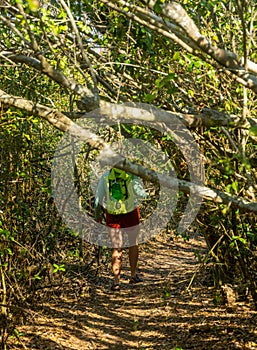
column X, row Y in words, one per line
column 159, row 313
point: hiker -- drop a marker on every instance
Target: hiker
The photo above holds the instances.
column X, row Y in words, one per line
column 116, row 197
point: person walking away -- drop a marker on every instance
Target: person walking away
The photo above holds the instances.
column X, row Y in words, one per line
column 117, row 196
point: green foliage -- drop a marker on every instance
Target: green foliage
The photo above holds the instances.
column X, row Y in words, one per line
column 253, row 130
column 58, row 268
column 33, row 5
column 131, row 63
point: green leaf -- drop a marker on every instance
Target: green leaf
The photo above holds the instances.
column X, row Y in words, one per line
column 235, row 186
column 227, row 105
column 62, row 268
column 176, row 56
column 27, row 137
column 9, row 251
column 37, row 277
column 157, row 7
column 33, row 5
column 253, row 130
column 240, row 239
column 149, row 97
column 58, row 268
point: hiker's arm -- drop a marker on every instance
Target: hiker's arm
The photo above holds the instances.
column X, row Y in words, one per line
column 139, row 188
column 99, row 196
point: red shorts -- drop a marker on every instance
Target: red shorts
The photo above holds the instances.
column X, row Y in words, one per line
column 123, row 220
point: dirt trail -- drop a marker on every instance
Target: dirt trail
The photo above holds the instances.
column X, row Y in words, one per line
column 156, row 314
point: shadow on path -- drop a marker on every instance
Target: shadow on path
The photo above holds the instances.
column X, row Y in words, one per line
column 156, row 314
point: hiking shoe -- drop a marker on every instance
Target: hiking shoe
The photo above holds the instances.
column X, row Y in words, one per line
column 136, row 279
column 115, row 287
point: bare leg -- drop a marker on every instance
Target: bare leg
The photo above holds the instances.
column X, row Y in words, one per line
column 133, row 259
column 116, row 264
column 116, row 238
column 133, row 249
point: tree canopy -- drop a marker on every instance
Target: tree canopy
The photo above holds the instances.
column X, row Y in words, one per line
column 129, row 64
column 73, row 48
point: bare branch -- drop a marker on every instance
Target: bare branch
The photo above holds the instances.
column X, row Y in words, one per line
column 190, row 38
column 207, row 117
column 227, row 59
column 15, row 30
column 177, row 14
column 84, row 55
column 152, row 22
column 89, row 99
column 109, row 157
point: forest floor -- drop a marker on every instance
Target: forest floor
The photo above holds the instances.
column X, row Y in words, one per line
column 159, row 313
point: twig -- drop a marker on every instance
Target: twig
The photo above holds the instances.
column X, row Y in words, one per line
column 210, row 252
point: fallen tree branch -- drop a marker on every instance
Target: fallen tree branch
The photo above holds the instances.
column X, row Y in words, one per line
column 182, row 30
column 109, row 157
column 88, row 98
column 175, row 12
column 207, row 117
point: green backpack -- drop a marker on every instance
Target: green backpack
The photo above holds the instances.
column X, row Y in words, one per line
column 118, row 184
column 120, row 195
